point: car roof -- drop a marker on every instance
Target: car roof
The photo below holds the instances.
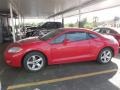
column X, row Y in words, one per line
column 81, row 29
column 78, row 29
column 113, row 28
column 75, row 29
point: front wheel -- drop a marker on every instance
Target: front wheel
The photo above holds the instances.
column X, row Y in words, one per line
column 34, row 61
column 105, row 56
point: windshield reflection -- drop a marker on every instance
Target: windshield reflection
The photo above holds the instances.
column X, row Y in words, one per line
column 50, row 35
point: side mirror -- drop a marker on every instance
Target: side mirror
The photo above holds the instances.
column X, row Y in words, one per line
column 66, row 41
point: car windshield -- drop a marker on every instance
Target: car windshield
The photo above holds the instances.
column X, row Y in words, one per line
column 50, row 35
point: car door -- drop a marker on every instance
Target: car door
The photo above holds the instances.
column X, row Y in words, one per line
column 74, row 47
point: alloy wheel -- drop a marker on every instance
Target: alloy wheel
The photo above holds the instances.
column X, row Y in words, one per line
column 35, row 63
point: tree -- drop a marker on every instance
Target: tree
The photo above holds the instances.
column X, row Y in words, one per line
column 95, row 21
column 71, row 25
column 82, row 23
column 116, row 19
column 88, row 25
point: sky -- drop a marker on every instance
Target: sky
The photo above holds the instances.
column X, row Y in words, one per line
column 104, row 15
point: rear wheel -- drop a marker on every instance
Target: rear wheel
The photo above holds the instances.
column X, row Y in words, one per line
column 34, row 61
column 105, row 56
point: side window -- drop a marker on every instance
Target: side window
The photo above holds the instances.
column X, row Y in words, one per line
column 55, row 25
column 107, row 31
column 52, row 25
column 92, row 35
column 113, row 32
column 59, row 39
column 103, row 31
column 75, row 36
column 49, row 26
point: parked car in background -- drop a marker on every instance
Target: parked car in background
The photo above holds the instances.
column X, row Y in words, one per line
column 7, row 34
column 61, row 46
column 109, row 31
column 43, row 29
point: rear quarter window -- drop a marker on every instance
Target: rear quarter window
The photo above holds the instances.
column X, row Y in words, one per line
column 92, row 35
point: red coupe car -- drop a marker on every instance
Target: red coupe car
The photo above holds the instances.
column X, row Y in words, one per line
column 61, row 46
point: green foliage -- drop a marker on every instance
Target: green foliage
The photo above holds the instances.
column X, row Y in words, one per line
column 82, row 23
column 85, row 24
column 88, row 25
column 71, row 25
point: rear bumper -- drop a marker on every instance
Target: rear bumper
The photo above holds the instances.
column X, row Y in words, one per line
column 116, row 50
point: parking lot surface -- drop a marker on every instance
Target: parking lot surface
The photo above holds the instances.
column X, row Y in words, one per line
column 75, row 76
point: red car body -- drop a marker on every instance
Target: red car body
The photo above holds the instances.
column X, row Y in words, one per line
column 109, row 31
column 78, row 51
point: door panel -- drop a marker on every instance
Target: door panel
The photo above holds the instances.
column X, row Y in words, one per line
column 70, row 52
column 96, row 45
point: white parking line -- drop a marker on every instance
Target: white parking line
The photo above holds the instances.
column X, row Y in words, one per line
column 0, row 81
column 30, row 84
column 36, row 89
column 0, row 86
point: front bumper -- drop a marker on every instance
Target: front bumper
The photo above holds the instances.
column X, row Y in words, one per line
column 14, row 60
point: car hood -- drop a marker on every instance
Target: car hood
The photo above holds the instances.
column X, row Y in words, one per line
column 30, row 40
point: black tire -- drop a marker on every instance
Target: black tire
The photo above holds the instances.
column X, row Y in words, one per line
column 102, row 54
column 29, row 58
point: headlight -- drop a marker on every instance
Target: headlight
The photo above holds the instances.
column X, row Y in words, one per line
column 14, row 50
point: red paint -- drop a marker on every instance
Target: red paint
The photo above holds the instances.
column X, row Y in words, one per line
column 66, row 52
column 117, row 36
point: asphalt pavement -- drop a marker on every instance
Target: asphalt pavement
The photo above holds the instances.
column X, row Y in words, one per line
column 74, row 76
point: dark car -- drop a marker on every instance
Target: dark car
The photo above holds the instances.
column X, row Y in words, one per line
column 7, row 34
column 109, row 31
column 46, row 27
